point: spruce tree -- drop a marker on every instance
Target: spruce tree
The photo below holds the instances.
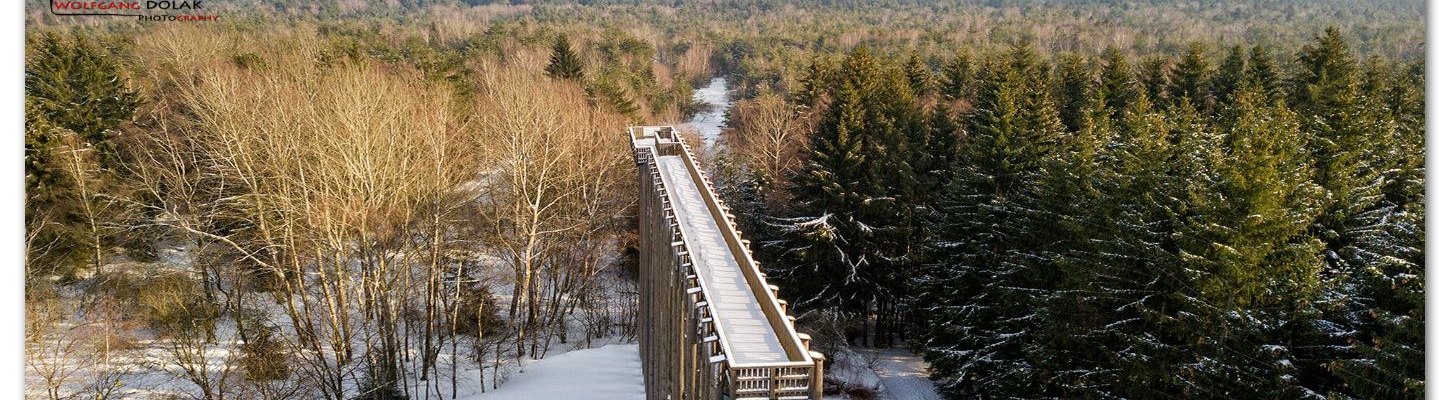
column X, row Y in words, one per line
column 1191, row 79
column 564, row 63
column 1260, row 266
column 1372, row 224
column 958, row 78
column 898, row 139
column 77, row 85
column 1128, row 284
column 1386, row 304
column 607, row 91
column 941, row 149
column 1068, row 196
column 77, row 97
column 922, row 80
column 1230, row 75
column 1155, row 75
column 983, row 297
column 826, row 192
column 1349, row 134
column 814, row 85
column 1118, row 82
column 1074, row 87
column 1263, row 73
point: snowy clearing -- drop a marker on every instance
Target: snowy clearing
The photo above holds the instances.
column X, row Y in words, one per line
column 609, row 372
column 716, row 97
column 904, row 374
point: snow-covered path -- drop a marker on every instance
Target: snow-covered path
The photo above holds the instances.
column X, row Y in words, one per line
column 716, row 97
column 606, row 373
column 904, row 375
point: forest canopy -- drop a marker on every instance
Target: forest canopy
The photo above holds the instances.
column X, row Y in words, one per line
column 1080, row 199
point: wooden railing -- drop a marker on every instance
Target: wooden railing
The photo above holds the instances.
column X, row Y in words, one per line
column 797, row 378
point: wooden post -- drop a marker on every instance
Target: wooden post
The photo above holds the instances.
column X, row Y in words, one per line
column 818, row 379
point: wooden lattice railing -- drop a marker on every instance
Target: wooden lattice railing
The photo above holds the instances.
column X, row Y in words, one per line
column 692, row 360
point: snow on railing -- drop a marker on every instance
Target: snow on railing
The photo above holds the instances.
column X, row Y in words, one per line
column 797, row 378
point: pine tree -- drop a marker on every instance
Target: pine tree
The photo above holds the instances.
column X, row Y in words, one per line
column 1073, row 91
column 1230, row 75
column 1404, row 97
column 1155, row 75
column 922, row 80
column 1191, row 79
column 1263, row 73
column 958, row 78
column 982, row 298
column 564, row 63
column 1118, row 82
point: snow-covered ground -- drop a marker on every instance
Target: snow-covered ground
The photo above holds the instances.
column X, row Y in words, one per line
column 609, row 372
column 903, row 374
column 853, row 371
column 716, row 97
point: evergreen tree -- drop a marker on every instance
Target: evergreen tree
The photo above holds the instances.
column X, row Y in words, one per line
column 858, row 196
column 76, row 99
column 1154, row 73
column 901, row 140
column 1386, row 302
column 814, row 85
column 1254, row 259
column 607, row 91
column 77, row 85
column 827, row 190
column 922, row 80
column 958, row 78
column 1404, row 97
column 1264, row 73
column 982, row 298
column 1132, row 283
column 1230, row 75
column 1349, row 135
column 1073, row 91
column 941, row 149
column 564, row 63
column 1118, row 82
column 1191, row 79
column 1069, row 191
column 1370, row 221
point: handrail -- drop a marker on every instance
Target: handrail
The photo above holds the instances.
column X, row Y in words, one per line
column 785, row 332
column 799, row 375
column 689, row 252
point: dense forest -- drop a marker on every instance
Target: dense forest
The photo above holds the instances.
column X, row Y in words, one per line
column 1086, row 199
column 1092, row 227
